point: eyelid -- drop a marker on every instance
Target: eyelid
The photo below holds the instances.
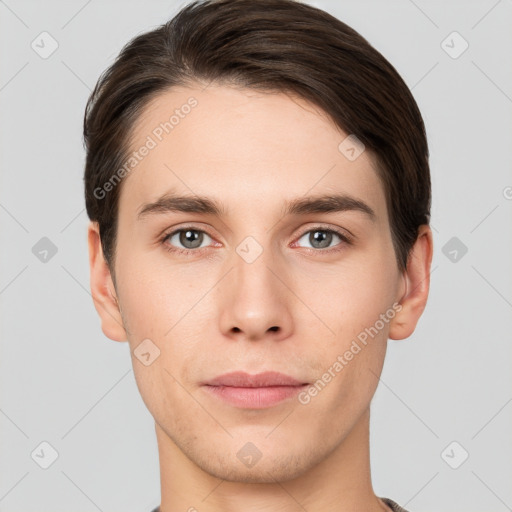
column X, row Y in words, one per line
column 345, row 236
column 346, row 239
column 167, row 234
column 341, row 232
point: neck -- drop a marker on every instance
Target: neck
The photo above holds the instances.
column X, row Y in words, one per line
column 339, row 483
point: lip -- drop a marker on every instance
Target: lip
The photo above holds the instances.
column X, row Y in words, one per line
column 258, row 391
column 259, row 380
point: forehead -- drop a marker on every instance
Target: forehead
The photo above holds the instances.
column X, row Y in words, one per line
column 245, row 148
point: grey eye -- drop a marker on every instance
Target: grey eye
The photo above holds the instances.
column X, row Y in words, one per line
column 188, row 238
column 319, row 238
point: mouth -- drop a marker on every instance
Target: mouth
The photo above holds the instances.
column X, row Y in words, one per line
column 259, row 391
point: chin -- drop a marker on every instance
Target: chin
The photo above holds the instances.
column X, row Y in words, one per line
column 272, row 469
column 262, row 475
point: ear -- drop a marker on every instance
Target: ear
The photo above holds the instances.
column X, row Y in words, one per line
column 102, row 288
column 416, row 283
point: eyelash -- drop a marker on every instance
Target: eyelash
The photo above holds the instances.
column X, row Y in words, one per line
column 345, row 239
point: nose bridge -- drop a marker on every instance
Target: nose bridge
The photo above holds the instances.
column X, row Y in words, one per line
column 252, row 274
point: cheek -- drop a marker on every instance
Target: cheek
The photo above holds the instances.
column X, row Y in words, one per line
column 357, row 305
column 153, row 296
column 352, row 298
column 167, row 307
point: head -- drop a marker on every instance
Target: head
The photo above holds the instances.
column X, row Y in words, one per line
column 294, row 160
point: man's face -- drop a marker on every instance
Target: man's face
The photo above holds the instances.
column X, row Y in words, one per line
column 259, row 289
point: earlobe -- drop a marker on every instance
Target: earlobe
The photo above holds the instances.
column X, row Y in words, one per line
column 102, row 288
column 414, row 293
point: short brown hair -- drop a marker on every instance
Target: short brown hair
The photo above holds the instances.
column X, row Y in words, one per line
column 270, row 45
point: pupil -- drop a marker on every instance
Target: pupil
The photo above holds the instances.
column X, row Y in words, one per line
column 322, row 237
column 190, row 239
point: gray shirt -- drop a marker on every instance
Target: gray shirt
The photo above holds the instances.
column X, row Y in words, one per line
column 395, row 507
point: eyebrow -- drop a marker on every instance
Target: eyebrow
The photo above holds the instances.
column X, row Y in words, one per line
column 332, row 203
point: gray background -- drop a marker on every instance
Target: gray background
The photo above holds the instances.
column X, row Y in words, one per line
column 64, row 382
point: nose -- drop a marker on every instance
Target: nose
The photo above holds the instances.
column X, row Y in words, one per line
column 256, row 300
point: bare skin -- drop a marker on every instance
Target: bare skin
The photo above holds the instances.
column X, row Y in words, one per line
column 294, row 309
